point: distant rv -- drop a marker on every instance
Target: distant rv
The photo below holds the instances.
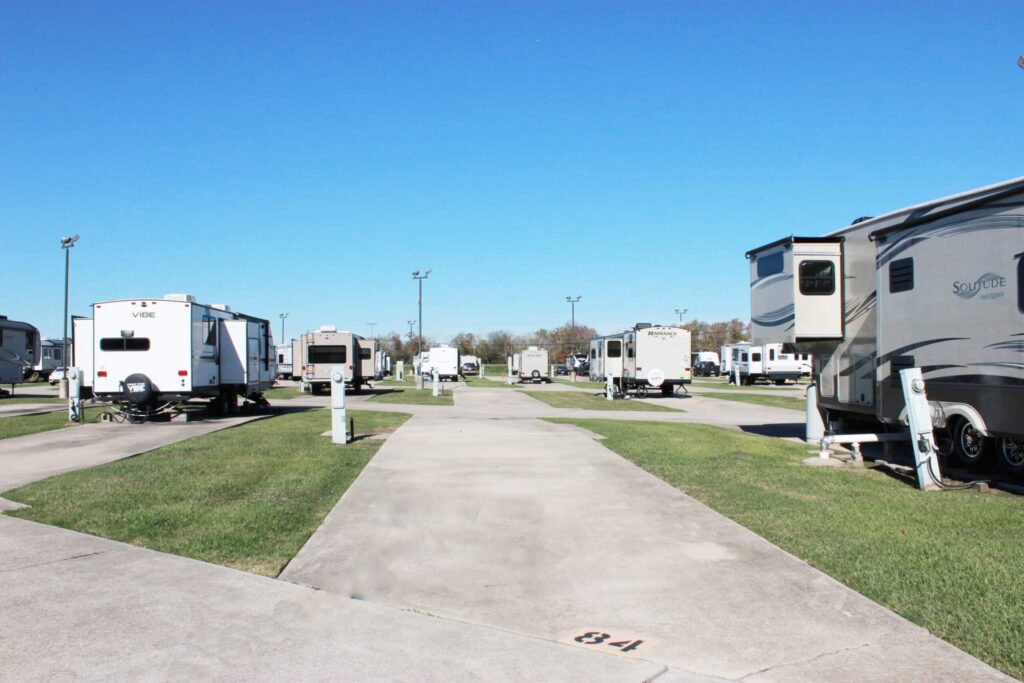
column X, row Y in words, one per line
column 314, row 354
column 19, row 350
column 938, row 286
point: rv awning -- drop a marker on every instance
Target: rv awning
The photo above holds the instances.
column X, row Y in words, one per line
column 792, row 239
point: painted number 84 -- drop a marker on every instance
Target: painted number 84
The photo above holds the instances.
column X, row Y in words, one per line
column 597, row 638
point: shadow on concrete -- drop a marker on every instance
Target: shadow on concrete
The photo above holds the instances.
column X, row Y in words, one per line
column 784, row 430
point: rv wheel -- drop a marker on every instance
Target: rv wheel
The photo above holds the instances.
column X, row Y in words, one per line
column 970, row 446
column 1012, row 453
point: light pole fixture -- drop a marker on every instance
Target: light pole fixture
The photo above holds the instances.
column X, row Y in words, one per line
column 411, row 323
column 420, row 278
column 66, row 243
column 572, row 330
column 282, row 316
column 681, row 312
column 372, row 325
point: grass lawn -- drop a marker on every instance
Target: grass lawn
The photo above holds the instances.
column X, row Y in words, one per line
column 578, row 399
column 495, row 370
column 32, row 424
column 585, row 383
column 417, row 396
column 950, row 562
column 791, row 402
column 246, row 497
column 282, row 393
column 12, row 400
column 489, row 383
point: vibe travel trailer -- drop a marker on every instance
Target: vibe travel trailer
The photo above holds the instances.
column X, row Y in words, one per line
column 533, row 365
column 20, row 350
column 936, row 286
column 605, row 357
column 148, row 354
column 314, row 355
column 656, row 356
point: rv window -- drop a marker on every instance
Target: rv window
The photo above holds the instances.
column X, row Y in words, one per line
column 901, row 275
column 629, row 351
column 593, row 353
column 770, row 264
column 364, row 354
column 280, row 358
column 615, row 349
column 817, row 278
column 743, row 357
column 771, row 354
column 58, row 353
column 327, row 354
column 755, row 357
column 124, row 344
column 209, row 331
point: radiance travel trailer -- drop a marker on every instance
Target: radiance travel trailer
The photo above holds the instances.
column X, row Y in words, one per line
column 533, row 365
column 937, row 286
column 19, row 350
column 314, row 354
column 147, row 355
column 655, row 357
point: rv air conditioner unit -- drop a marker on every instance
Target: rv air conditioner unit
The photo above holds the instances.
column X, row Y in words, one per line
column 796, row 291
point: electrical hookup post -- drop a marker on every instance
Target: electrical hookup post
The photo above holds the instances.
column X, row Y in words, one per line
column 510, row 369
column 339, row 422
column 922, row 439
column 74, row 377
column 609, row 387
column 435, row 383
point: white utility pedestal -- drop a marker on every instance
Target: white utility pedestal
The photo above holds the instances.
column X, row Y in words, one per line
column 815, row 427
column 922, row 439
column 609, row 387
column 736, row 375
column 435, row 390
column 419, row 379
column 400, row 371
column 339, row 421
column 510, row 369
column 481, row 370
column 74, row 376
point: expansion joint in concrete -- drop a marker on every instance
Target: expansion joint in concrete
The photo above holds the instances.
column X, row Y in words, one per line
column 43, row 564
column 801, row 662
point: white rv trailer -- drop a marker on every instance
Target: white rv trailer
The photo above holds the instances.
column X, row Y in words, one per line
column 936, row 286
column 284, row 360
column 470, row 364
column 148, row 353
column 314, row 354
column 728, row 356
column 533, row 365
column 605, row 357
column 19, row 350
column 444, row 359
column 51, row 356
column 368, row 349
column 656, row 356
column 770, row 362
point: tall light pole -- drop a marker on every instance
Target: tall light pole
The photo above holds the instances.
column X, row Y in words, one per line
column 282, row 316
column 411, row 323
column 66, row 243
column 372, row 325
column 572, row 330
column 420, row 278
column 681, row 312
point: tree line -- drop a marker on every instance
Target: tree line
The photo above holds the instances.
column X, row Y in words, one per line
column 494, row 347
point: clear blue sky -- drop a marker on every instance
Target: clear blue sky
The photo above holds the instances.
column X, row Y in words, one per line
column 306, row 157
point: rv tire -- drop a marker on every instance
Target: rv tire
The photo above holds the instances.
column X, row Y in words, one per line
column 971, row 448
column 1011, row 452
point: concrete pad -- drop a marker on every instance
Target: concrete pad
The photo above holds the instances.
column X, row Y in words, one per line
column 29, row 458
column 532, row 527
column 79, row 607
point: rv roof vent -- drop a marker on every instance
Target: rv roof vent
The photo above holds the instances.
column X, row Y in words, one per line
column 180, row 297
column 3, row 317
column 641, row 326
column 221, row 307
column 328, row 328
column 861, row 219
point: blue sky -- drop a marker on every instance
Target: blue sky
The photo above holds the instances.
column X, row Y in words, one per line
column 306, row 157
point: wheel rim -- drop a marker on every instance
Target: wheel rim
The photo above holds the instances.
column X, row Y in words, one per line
column 1013, row 453
column 970, row 441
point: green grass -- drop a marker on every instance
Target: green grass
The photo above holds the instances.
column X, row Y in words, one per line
column 16, row 399
column 414, row 396
column 488, row 383
column 583, row 383
column 791, row 402
column 33, row 424
column 282, row 393
column 495, row 370
column 950, row 562
column 578, row 399
column 247, row 497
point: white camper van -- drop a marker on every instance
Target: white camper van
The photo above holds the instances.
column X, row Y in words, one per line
column 148, row 354
column 284, row 360
column 656, row 356
column 938, row 286
column 314, row 354
column 605, row 357
column 444, row 359
column 19, row 350
column 533, row 365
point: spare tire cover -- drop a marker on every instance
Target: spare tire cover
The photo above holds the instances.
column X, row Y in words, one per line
column 655, row 377
column 535, row 373
column 138, row 389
